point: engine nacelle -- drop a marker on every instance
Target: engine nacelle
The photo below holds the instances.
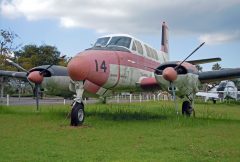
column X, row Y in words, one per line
column 187, row 78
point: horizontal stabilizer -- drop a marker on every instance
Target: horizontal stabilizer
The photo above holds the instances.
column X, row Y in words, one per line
column 204, row 61
column 218, row 75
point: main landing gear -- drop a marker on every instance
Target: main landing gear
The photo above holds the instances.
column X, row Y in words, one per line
column 187, row 109
column 77, row 113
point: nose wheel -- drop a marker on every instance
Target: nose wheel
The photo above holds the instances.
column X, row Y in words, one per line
column 77, row 114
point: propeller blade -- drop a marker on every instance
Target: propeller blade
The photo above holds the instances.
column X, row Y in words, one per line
column 37, row 86
column 16, row 65
column 190, row 54
column 62, row 57
column 174, row 96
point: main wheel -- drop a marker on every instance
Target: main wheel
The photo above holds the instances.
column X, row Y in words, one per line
column 77, row 114
column 187, row 108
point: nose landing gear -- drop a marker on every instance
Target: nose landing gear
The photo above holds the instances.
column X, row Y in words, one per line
column 77, row 113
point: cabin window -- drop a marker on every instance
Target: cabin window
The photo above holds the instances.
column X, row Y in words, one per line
column 155, row 54
column 134, row 47
column 147, row 50
column 151, row 52
column 120, row 41
column 101, row 42
column 139, row 47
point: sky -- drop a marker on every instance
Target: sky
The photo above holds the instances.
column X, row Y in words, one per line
column 73, row 25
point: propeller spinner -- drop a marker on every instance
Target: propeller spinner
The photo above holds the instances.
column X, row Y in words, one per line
column 35, row 77
column 169, row 74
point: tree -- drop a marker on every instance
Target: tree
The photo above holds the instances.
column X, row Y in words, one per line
column 7, row 38
column 32, row 55
column 7, row 41
column 199, row 68
column 216, row 66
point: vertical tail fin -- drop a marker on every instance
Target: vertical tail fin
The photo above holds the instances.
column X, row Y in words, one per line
column 164, row 44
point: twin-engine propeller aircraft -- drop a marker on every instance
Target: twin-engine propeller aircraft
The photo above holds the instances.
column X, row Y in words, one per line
column 123, row 63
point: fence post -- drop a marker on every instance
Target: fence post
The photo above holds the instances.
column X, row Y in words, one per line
column 118, row 98
column 7, row 99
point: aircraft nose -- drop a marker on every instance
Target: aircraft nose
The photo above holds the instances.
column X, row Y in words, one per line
column 78, row 68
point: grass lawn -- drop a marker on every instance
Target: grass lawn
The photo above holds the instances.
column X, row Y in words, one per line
column 149, row 131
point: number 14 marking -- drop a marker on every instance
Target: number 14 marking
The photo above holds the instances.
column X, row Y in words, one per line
column 102, row 66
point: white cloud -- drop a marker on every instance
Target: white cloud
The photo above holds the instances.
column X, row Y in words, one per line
column 68, row 22
column 183, row 16
column 219, row 38
column 9, row 11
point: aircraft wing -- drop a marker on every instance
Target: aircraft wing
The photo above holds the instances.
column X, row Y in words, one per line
column 204, row 61
column 207, row 94
column 219, row 75
column 13, row 74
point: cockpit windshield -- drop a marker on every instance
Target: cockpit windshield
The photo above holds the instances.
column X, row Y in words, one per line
column 102, row 42
column 120, row 41
column 222, row 84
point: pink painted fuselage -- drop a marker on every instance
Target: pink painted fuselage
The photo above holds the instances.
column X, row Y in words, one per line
column 116, row 68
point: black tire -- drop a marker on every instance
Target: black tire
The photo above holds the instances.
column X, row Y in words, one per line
column 187, row 108
column 77, row 114
column 214, row 101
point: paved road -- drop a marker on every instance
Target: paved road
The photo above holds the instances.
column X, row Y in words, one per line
column 55, row 100
column 31, row 101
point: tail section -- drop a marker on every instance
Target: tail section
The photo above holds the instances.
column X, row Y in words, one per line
column 164, row 44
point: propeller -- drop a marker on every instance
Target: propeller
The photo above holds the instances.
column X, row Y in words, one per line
column 170, row 74
column 35, row 77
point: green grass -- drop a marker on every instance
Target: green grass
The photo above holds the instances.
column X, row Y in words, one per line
column 148, row 131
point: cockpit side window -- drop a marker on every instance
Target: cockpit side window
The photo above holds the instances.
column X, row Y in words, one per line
column 120, row 41
column 101, row 42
